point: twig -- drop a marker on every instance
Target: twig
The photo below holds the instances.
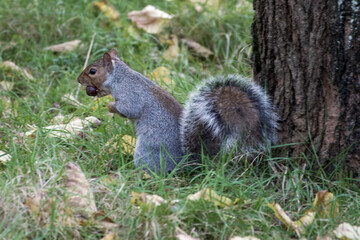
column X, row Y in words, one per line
column 86, row 62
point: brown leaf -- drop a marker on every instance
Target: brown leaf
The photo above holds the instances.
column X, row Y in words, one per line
column 80, row 195
column 197, row 48
column 64, row 47
column 8, row 65
column 151, row 19
column 7, row 45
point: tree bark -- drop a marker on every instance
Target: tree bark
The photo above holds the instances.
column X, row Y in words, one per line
column 307, row 55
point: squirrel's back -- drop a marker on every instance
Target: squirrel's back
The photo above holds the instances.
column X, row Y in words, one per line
column 227, row 112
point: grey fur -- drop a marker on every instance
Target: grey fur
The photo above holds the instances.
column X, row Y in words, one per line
column 157, row 130
column 199, row 110
column 161, row 134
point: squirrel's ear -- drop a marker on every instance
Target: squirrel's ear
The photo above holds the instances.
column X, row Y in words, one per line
column 107, row 62
column 113, row 53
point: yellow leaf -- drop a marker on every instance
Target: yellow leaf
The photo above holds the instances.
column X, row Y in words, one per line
column 65, row 47
column 4, row 157
column 147, row 199
column 151, row 19
column 109, row 11
column 109, row 236
column 102, row 102
column 210, row 195
column 80, row 195
column 345, row 231
column 172, row 53
column 325, row 204
column 306, row 220
column 8, row 65
column 128, row 144
column 161, row 75
column 197, row 48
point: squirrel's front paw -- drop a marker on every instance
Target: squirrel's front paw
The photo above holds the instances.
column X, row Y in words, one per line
column 112, row 107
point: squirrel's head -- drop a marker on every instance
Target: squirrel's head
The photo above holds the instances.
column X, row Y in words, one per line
column 94, row 75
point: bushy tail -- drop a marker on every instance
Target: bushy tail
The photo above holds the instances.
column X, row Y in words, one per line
column 225, row 113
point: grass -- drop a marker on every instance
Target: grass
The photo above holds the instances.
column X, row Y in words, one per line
column 38, row 163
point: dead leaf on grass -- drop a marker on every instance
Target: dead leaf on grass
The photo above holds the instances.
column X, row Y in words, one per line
column 109, row 11
column 173, row 51
column 147, row 199
column 182, row 235
column 80, row 196
column 4, row 157
column 64, row 47
column 346, row 231
column 210, row 195
column 7, row 45
column 161, row 75
column 75, row 127
column 325, row 205
column 6, row 85
column 128, row 144
column 197, row 48
column 212, row 5
column 151, row 19
column 244, row 238
column 8, row 65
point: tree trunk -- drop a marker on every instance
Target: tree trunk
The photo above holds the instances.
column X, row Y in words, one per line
column 307, row 55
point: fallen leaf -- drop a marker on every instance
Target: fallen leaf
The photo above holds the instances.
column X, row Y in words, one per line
column 80, row 196
column 8, row 65
column 346, row 231
column 244, row 238
column 7, row 45
column 109, row 11
column 208, row 4
column 128, row 144
column 182, row 235
column 151, row 19
column 6, row 86
column 67, row 131
column 4, row 157
column 58, row 119
column 147, row 199
column 102, row 102
column 173, row 51
column 65, row 47
column 161, row 75
column 197, row 48
column 109, row 236
column 210, row 195
column 325, row 205
column 284, row 218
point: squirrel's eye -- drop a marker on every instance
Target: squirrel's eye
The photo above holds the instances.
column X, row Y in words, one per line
column 92, row 71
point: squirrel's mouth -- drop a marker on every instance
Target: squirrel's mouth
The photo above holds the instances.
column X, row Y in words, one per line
column 91, row 91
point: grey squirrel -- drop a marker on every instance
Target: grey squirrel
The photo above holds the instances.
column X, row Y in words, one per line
column 224, row 113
